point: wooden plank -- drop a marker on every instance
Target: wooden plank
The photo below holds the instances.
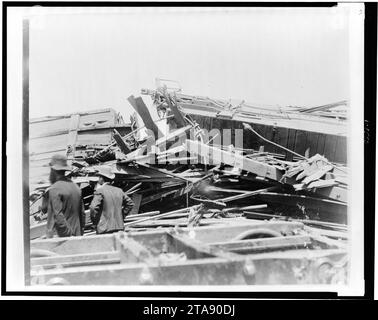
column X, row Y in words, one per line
column 158, row 216
column 322, row 183
column 141, row 108
column 120, row 142
column 133, row 217
column 219, row 189
column 253, row 207
column 321, row 224
column 247, row 194
column 136, row 186
column 317, row 174
column 178, row 117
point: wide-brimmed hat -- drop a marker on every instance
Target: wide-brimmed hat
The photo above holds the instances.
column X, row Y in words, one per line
column 59, row 162
column 106, row 172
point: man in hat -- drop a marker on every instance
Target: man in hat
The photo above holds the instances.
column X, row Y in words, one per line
column 110, row 205
column 65, row 207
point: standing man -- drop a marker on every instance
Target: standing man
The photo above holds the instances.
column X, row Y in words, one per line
column 65, row 207
column 110, row 205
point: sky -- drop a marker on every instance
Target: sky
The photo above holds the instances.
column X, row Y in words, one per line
column 282, row 56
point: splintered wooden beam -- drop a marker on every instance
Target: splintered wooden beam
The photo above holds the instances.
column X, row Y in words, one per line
column 141, row 108
column 120, row 142
column 178, row 117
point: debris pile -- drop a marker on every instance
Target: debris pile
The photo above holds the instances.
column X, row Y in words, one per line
column 177, row 169
column 202, row 202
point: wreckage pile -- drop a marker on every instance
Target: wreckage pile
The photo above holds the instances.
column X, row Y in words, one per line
column 181, row 170
column 179, row 177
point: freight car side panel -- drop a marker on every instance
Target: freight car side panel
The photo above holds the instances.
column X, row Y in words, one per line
column 333, row 147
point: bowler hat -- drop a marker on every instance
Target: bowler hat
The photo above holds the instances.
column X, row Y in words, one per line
column 106, row 172
column 59, row 162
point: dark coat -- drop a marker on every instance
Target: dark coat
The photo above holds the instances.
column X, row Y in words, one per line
column 109, row 207
column 65, row 209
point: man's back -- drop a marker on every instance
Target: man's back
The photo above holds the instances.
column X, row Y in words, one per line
column 65, row 208
column 106, row 208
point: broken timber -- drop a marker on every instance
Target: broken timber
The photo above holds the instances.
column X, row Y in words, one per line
column 141, row 108
column 228, row 250
column 217, row 156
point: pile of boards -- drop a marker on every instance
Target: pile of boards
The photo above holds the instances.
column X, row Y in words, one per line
column 178, row 178
column 204, row 213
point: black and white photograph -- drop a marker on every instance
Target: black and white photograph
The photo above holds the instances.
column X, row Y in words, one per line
column 186, row 148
